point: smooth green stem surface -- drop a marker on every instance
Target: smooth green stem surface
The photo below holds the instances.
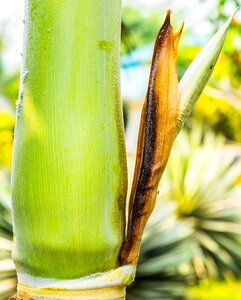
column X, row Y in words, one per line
column 69, row 168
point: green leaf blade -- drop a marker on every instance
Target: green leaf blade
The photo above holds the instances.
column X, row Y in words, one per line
column 196, row 77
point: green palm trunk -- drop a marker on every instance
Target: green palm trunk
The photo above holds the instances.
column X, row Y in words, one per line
column 69, row 170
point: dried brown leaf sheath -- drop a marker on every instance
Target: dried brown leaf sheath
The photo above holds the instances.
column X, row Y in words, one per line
column 156, row 135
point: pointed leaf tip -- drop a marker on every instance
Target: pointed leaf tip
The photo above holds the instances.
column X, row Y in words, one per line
column 179, row 30
column 196, row 77
column 177, row 36
column 166, row 24
column 168, row 15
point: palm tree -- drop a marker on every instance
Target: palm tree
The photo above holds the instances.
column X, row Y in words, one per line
column 69, row 176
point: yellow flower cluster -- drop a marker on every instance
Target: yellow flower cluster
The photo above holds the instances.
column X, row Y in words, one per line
column 7, row 123
column 219, row 115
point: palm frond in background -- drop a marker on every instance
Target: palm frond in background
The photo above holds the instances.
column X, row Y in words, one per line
column 202, row 178
column 195, row 231
column 7, row 269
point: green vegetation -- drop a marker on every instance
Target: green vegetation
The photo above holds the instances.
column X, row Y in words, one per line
column 219, row 115
column 230, row 290
column 193, row 237
column 60, row 121
column 194, row 232
column 7, row 269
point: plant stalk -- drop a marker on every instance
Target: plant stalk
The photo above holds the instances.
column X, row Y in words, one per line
column 69, row 176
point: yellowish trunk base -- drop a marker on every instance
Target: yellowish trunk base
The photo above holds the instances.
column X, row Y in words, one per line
column 108, row 293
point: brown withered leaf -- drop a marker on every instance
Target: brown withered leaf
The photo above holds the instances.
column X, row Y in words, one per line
column 156, row 135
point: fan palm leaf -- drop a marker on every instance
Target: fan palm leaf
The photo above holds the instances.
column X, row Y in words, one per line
column 195, row 229
column 7, row 268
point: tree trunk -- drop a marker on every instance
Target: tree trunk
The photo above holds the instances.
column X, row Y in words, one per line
column 69, row 176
